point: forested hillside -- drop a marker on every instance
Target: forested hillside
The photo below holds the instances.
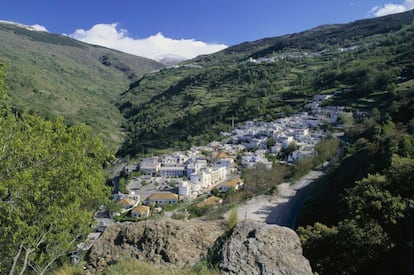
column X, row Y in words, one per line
column 359, row 218
column 192, row 103
column 55, row 75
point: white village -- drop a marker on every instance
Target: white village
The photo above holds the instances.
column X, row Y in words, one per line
column 185, row 175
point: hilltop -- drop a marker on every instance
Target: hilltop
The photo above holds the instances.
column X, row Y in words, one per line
column 191, row 103
column 52, row 75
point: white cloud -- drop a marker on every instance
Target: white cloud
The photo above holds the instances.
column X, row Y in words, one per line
column 391, row 8
column 155, row 46
column 38, row 28
column 35, row 27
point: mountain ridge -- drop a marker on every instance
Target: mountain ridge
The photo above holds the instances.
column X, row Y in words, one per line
column 53, row 75
column 200, row 98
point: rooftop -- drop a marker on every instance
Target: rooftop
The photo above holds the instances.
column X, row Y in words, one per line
column 141, row 209
column 232, row 183
column 163, row 196
column 213, row 200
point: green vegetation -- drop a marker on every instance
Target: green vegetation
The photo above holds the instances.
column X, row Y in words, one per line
column 54, row 75
column 51, row 182
column 178, row 107
column 232, row 219
column 359, row 218
column 134, row 266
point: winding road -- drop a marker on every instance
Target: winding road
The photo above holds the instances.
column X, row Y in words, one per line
column 283, row 208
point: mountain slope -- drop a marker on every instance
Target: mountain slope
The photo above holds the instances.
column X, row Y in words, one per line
column 193, row 102
column 55, row 75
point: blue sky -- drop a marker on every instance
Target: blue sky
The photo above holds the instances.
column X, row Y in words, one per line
column 167, row 23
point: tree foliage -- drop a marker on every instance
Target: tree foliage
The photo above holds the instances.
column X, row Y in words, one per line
column 374, row 227
column 50, row 183
column 2, row 80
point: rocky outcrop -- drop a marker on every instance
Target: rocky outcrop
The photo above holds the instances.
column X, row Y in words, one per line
column 161, row 242
column 257, row 248
column 252, row 248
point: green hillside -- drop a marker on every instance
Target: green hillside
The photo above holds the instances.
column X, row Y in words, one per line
column 55, row 75
column 192, row 103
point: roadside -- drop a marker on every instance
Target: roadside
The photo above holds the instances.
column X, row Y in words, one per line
column 283, row 208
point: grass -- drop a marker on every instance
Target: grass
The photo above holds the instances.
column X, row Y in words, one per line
column 132, row 266
column 58, row 76
column 405, row 86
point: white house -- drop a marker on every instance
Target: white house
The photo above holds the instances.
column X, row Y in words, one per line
column 162, row 198
column 184, row 189
column 285, row 141
column 127, row 204
column 195, row 165
column 227, row 163
column 235, row 183
column 299, row 154
column 141, row 211
column 150, row 165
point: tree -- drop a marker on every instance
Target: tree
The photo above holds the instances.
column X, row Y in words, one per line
column 400, row 176
column 368, row 200
column 285, row 152
column 343, row 249
column 2, row 80
column 326, row 149
column 319, row 243
column 51, row 182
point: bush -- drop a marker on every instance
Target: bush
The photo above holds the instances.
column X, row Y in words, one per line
column 232, row 219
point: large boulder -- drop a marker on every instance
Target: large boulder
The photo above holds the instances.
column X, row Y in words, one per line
column 257, row 248
column 252, row 248
column 160, row 242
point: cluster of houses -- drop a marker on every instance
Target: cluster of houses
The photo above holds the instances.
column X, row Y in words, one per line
column 200, row 169
column 282, row 56
column 194, row 171
column 263, row 138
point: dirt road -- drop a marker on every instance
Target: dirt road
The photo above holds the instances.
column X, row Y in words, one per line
column 282, row 209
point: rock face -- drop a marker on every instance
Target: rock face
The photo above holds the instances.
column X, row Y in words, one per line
column 252, row 248
column 160, row 242
column 257, row 248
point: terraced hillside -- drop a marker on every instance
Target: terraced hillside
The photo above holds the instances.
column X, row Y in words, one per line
column 190, row 104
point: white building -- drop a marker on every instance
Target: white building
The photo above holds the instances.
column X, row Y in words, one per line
column 209, row 177
column 184, row 189
column 286, row 141
column 227, row 163
column 150, row 165
column 299, row 154
column 195, row 166
column 250, row 159
column 141, row 211
column 172, row 171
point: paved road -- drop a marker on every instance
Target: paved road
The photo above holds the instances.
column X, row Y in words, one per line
column 282, row 209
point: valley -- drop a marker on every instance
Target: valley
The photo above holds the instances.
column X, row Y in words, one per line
column 312, row 130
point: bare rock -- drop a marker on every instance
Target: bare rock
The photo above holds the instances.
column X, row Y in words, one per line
column 257, row 248
column 160, row 242
column 252, row 248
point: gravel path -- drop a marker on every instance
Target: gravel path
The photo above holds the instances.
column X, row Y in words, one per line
column 283, row 208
